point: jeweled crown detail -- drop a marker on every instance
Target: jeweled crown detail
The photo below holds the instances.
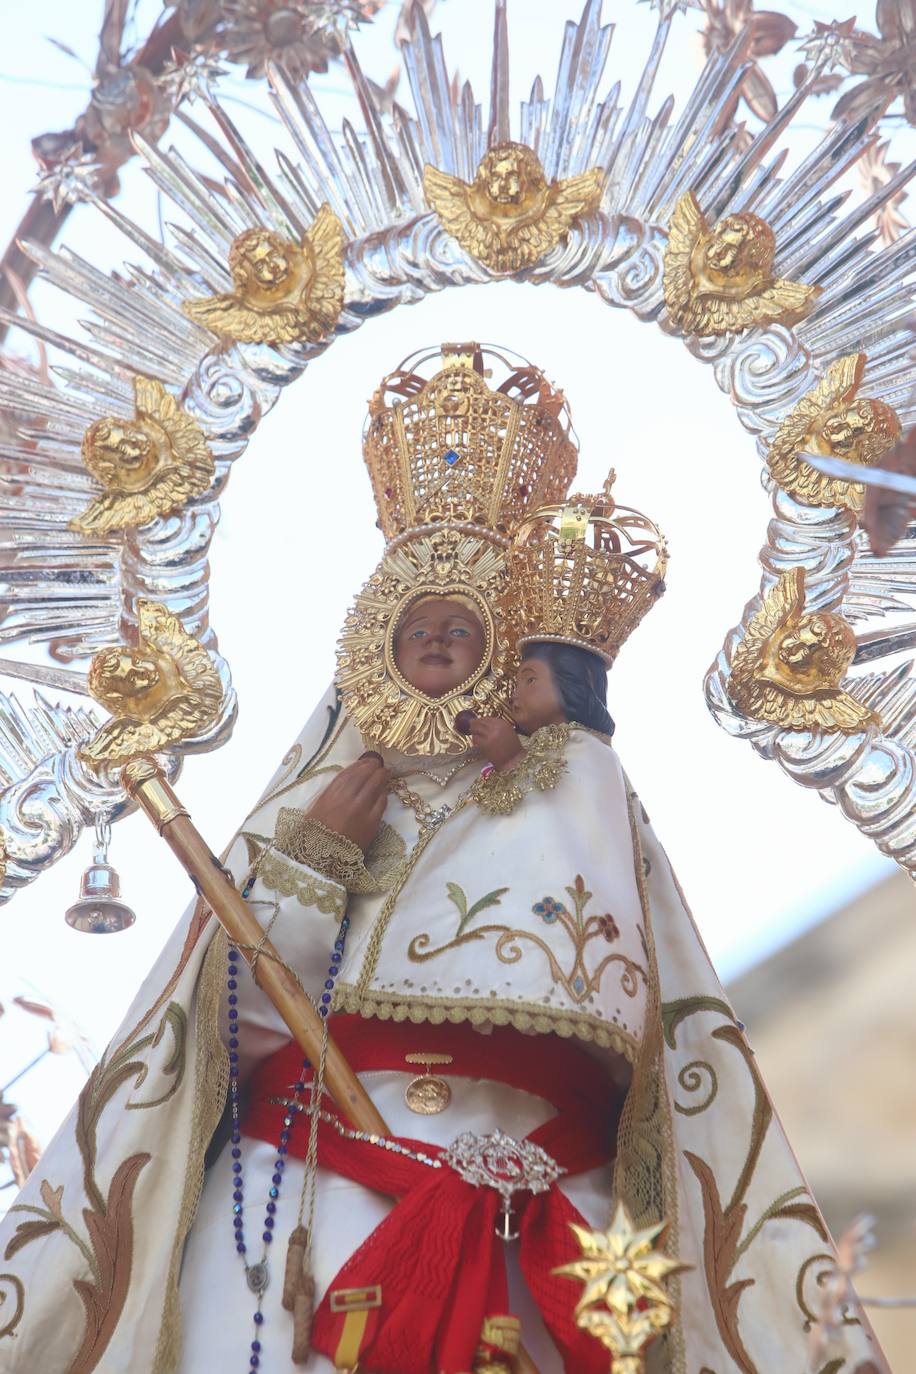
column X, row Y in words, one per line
column 452, row 450
column 586, row 573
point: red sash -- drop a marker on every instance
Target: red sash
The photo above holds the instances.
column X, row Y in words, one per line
column 436, row 1256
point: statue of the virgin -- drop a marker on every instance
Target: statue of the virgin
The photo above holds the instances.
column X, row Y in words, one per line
column 454, row 865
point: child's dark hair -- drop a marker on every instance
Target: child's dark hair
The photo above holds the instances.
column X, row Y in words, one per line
column 581, row 681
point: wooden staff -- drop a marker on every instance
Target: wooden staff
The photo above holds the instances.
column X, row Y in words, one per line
column 145, row 781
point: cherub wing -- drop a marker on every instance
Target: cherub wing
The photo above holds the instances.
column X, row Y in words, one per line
column 835, row 389
column 835, row 710
column 326, row 294
column 566, row 201
column 782, row 302
column 685, row 229
column 122, row 738
column 449, row 197
column 164, row 633
column 781, row 602
column 117, row 510
column 230, row 317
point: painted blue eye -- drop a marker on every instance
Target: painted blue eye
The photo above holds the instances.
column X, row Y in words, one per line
column 459, row 632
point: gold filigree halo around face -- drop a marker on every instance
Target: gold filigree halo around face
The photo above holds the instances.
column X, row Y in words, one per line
column 385, row 707
column 283, row 291
column 455, row 467
column 161, row 691
column 149, row 465
column 832, row 420
column 509, row 216
column 575, row 575
column 788, row 667
column 721, row 280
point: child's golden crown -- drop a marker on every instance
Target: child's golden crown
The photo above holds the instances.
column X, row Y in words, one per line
column 586, row 573
column 449, row 449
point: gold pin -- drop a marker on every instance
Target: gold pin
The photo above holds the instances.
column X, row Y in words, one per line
column 428, row 1094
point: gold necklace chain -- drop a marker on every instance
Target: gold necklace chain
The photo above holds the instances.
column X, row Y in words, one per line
column 428, row 817
column 436, row 777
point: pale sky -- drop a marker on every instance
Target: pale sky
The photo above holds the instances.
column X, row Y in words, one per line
column 758, row 857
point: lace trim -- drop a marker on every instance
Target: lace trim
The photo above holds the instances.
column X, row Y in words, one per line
column 524, row 1016
column 310, row 842
column 540, row 769
column 286, row 878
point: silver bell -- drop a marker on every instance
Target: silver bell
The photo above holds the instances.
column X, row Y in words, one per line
column 98, row 910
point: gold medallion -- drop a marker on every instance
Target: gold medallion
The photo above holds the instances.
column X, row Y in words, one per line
column 428, row 1094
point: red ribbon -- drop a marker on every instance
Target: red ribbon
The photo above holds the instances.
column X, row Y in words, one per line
column 437, row 1257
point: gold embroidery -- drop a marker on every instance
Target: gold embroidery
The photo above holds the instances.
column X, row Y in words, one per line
column 211, row 1075
column 541, row 768
column 286, row 878
column 308, row 841
column 645, row 1171
column 578, row 983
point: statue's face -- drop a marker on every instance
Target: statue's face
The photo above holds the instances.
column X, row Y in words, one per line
column 261, row 260
column 439, row 644
column 726, row 250
column 536, row 700
column 126, row 672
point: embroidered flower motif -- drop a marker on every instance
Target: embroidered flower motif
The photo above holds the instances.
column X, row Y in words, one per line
column 609, row 928
column 549, row 909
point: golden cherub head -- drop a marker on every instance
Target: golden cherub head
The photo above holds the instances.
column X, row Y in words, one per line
column 125, row 452
column 508, row 216
column 267, row 268
column 788, row 668
column 148, row 465
column 740, row 251
column 721, row 278
column 160, row 691
column 832, row 420
column 282, row 291
column 509, row 180
column 803, row 657
column 851, row 432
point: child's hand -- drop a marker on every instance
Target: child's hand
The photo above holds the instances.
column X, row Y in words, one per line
column 496, row 739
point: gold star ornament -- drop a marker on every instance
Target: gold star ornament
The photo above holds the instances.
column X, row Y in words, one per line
column 623, row 1302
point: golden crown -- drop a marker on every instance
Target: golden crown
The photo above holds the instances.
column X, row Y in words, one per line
column 452, row 450
column 576, row 575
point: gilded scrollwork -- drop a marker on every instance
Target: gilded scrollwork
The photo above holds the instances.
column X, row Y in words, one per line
column 832, row 420
column 788, row 667
column 577, row 981
column 721, row 280
column 283, row 292
column 509, row 216
column 150, row 465
column 163, row 690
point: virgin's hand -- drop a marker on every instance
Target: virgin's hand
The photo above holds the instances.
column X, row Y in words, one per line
column 352, row 804
column 496, row 739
